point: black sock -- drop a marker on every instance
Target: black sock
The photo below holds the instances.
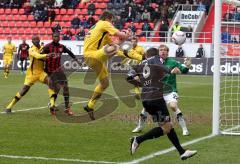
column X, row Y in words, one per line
column 66, row 101
column 153, row 133
column 172, row 136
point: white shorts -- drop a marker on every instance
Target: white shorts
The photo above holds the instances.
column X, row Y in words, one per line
column 170, row 97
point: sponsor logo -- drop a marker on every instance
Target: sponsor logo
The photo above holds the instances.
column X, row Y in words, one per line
column 1, row 64
column 19, row 64
column 74, row 65
column 229, row 68
column 189, row 16
column 197, row 68
column 116, row 67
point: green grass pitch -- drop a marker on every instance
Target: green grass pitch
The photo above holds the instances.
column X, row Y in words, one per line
column 35, row 133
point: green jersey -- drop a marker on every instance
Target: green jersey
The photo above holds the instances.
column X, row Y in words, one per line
column 170, row 79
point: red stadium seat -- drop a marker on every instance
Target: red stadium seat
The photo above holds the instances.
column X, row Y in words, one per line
column 63, row 11
column 10, row 17
column 23, row 17
column 14, row 31
column 39, row 24
column 99, row 1
column 68, row 24
column 81, row 5
column 62, row 24
column 21, row 11
column 84, row 11
column 4, row 23
column 47, row 24
column 8, row 11
column 15, row 17
column 11, row 23
column 42, row 31
column 73, row 31
column 78, row 11
column 70, row 11
column 138, row 25
column 32, row 24
column 99, row 12
column 106, row 1
column 58, row 18
column 66, row 18
column 25, row 24
column 7, row 31
column 30, row 18
column 1, row 30
column 18, row 24
column 56, row 11
column 1, row 11
column 49, row 31
column 35, row 30
column 15, row 11
column 152, row 25
column 2, row 17
column 102, row 5
column 28, row 31
column 21, row 30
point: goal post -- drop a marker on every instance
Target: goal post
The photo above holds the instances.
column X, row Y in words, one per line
column 226, row 77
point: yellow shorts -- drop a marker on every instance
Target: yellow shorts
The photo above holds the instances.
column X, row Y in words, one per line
column 7, row 60
column 96, row 60
column 30, row 78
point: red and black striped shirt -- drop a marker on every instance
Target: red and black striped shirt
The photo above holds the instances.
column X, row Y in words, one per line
column 23, row 51
column 53, row 63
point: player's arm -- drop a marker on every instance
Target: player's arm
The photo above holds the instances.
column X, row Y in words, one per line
column 184, row 68
column 66, row 50
column 133, row 78
column 14, row 48
column 37, row 55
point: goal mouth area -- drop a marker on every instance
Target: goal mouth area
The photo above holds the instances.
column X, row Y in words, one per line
column 235, row 131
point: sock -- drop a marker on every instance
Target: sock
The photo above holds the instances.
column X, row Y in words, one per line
column 172, row 136
column 66, row 101
column 52, row 97
column 96, row 95
column 22, row 66
column 142, row 118
column 153, row 133
column 181, row 121
column 14, row 101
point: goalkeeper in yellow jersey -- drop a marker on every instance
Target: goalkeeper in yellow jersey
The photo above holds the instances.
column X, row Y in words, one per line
column 98, row 48
column 134, row 56
column 8, row 50
column 35, row 73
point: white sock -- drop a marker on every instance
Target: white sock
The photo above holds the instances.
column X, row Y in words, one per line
column 180, row 119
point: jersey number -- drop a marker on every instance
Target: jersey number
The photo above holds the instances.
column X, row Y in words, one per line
column 146, row 71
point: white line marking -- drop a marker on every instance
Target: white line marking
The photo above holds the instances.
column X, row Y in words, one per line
column 53, row 159
column 167, row 150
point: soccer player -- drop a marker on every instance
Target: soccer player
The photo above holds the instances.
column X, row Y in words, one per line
column 170, row 90
column 98, row 48
column 149, row 75
column 8, row 50
column 23, row 55
column 35, row 73
column 134, row 56
column 53, row 67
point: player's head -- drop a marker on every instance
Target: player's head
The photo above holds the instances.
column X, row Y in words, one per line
column 36, row 40
column 151, row 52
column 56, row 37
column 9, row 39
column 24, row 40
column 42, row 43
column 163, row 51
column 134, row 41
column 107, row 16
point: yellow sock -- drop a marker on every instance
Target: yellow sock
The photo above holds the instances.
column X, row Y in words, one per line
column 96, row 95
column 14, row 101
column 52, row 97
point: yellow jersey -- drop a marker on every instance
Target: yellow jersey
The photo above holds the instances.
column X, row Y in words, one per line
column 8, row 49
column 134, row 55
column 36, row 60
column 98, row 36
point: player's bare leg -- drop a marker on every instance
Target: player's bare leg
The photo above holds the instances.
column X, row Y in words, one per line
column 174, row 107
column 17, row 97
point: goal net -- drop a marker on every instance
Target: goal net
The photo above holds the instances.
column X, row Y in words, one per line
column 230, row 69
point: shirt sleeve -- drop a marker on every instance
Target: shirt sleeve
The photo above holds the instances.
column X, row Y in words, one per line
column 45, row 50
column 35, row 54
column 182, row 68
column 110, row 28
column 66, row 50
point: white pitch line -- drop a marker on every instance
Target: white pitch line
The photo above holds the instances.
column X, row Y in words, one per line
column 166, row 150
column 53, row 159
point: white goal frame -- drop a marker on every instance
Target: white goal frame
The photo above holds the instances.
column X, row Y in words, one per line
column 216, row 74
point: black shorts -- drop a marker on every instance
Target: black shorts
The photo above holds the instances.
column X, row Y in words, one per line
column 58, row 78
column 157, row 109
